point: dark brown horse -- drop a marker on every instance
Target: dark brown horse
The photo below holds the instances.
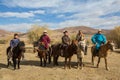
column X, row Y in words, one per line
column 42, row 52
column 67, row 54
column 103, row 53
column 16, row 53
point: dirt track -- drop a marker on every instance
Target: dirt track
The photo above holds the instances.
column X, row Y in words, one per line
column 30, row 69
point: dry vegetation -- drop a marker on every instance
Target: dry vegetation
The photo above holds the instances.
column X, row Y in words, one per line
column 115, row 36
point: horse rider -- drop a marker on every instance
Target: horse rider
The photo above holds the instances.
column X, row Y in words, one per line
column 98, row 39
column 14, row 42
column 44, row 40
column 65, row 42
column 80, row 37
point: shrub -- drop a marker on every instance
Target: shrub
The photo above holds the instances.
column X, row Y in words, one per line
column 115, row 36
column 36, row 31
column 3, row 41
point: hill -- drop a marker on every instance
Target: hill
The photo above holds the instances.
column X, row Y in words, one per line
column 4, row 33
column 85, row 30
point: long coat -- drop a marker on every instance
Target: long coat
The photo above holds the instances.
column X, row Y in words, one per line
column 98, row 39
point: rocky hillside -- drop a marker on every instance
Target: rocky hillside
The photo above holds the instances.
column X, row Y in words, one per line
column 86, row 30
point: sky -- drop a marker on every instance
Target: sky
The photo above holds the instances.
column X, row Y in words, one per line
column 21, row 15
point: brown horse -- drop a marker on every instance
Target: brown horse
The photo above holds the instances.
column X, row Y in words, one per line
column 36, row 46
column 16, row 53
column 67, row 54
column 103, row 53
column 42, row 53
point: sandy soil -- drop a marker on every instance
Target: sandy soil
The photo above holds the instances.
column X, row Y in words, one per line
column 30, row 69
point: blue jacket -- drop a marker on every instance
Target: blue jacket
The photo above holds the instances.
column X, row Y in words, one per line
column 14, row 43
column 98, row 39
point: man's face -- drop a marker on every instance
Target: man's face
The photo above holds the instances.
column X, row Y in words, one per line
column 66, row 33
column 99, row 32
column 45, row 33
column 16, row 37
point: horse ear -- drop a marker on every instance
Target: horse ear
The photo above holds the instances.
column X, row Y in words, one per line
column 109, row 41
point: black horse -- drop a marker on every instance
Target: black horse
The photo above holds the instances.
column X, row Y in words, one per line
column 67, row 53
column 16, row 53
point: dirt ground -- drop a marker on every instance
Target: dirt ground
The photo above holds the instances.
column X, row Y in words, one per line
column 30, row 69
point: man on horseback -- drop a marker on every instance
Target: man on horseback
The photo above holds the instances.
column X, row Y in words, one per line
column 14, row 42
column 98, row 39
column 65, row 42
column 44, row 40
column 80, row 38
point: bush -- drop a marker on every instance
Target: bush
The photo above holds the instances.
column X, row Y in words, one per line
column 3, row 41
column 36, row 31
column 115, row 36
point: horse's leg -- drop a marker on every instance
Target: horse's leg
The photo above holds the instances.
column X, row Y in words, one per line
column 8, row 62
column 14, row 63
column 40, row 61
column 57, row 60
column 65, row 63
column 44, row 60
column 70, row 62
column 98, row 62
column 78, row 62
column 18, row 63
column 93, row 60
column 81, row 63
column 54, row 59
column 49, row 58
column 106, row 64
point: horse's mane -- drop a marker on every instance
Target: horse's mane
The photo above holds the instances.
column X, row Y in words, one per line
column 16, row 49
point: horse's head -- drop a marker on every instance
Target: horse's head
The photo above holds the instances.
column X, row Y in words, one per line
column 21, row 46
column 82, row 43
column 74, row 45
column 110, row 45
column 35, row 46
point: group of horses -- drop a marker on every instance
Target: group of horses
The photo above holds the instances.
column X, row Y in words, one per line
column 54, row 52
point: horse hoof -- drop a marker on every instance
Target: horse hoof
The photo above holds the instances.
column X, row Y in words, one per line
column 14, row 69
column 44, row 65
column 107, row 69
column 65, row 68
column 97, row 66
column 81, row 68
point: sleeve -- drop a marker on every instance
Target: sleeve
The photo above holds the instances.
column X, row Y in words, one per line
column 77, row 37
column 48, row 39
column 93, row 39
column 63, row 40
column 40, row 39
column 104, row 39
column 11, row 43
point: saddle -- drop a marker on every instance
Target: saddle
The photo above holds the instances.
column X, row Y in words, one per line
column 63, row 48
column 42, row 46
column 95, row 52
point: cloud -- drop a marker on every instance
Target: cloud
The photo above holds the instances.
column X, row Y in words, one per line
column 31, row 3
column 21, row 14
column 16, row 14
column 38, row 12
column 22, row 27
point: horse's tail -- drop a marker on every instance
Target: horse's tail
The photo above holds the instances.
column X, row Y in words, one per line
column 8, row 50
